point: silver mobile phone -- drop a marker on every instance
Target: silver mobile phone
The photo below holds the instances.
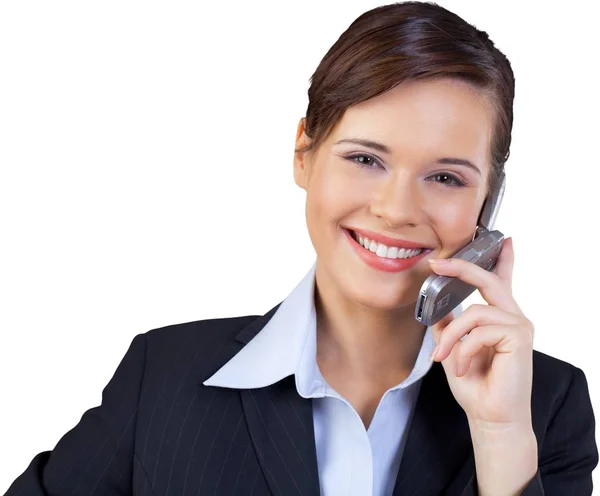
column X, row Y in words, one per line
column 439, row 295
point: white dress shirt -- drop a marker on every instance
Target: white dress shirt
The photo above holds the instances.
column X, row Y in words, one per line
column 352, row 460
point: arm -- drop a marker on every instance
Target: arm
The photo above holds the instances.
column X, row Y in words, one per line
column 96, row 456
column 569, row 452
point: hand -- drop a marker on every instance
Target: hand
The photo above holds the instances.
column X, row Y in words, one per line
column 490, row 374
column 490, row 370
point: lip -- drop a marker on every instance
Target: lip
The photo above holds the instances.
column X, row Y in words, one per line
column 383, row 264
column 386, row 240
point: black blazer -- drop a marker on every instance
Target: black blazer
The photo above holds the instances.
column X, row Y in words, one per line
column 160, row 432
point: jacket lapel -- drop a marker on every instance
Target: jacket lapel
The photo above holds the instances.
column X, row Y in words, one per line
column 280, row 423
column 438, row 455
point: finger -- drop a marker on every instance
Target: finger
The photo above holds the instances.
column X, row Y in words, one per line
column 495, row 291
column 439, row 326
column 462, row 366
column 473, row 317
column 506, row 262
column 491, row 336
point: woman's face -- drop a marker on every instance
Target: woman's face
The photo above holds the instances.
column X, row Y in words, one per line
column 396, row 188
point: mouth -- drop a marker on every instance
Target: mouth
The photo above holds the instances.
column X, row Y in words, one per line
column 395, row 249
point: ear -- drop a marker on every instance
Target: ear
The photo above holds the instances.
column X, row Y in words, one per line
column 301, row 159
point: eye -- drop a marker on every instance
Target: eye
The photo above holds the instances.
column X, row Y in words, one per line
column 448, row 179
column 365, row 161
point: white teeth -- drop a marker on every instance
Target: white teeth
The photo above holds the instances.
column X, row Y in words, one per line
column 383, row 251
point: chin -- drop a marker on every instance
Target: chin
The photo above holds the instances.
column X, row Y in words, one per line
column 383, row 299
column 390, row 304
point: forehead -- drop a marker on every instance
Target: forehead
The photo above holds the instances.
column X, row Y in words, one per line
column 416, row 117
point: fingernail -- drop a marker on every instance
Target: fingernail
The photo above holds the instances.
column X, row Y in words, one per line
column 439, row 261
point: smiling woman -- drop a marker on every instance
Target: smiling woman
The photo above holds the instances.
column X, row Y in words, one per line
column 338, row 390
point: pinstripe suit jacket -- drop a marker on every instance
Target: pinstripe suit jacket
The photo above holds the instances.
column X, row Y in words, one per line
column 160, row 432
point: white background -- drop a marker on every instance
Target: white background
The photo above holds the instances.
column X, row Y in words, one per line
column 146, row 180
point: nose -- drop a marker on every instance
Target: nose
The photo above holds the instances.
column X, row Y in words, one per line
column 398, row 201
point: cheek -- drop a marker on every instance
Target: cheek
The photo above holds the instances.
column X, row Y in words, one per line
column 332, row 194
column 322, row 206
column 455, row 223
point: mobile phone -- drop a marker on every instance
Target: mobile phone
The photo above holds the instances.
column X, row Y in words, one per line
column 439, row 295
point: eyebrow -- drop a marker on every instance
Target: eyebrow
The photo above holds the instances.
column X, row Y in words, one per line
column 385, row 149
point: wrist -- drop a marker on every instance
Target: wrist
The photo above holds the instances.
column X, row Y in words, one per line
column 492, row 433
column 506, row 457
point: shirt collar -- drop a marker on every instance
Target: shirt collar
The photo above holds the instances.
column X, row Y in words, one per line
column 287, row 346
column 275, row 352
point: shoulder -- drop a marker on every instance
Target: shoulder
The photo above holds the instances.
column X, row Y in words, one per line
column 552, row 376
column 196, row 336
column 557, row 385
column 204, row 333
column 190, row 347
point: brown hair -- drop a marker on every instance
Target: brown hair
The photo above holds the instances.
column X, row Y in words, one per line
column 409, row 40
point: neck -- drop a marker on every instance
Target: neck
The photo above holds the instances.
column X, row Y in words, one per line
column 365, row 342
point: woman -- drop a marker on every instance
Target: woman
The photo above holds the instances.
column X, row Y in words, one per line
column 338, row 390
